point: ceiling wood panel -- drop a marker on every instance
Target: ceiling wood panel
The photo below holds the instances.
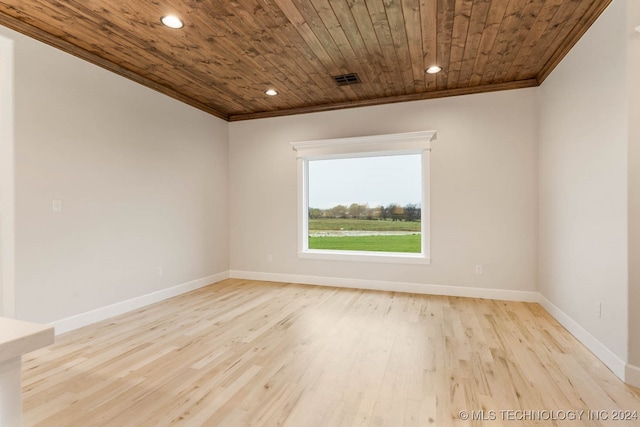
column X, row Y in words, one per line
column 475, row 32
column 508, row 24
column 411, row 13
column 372, row 51
column 382, row 31
column 542, row 11
column 393, row 11
column 231, row 51
column 493, row 24
column 460, row 31
column 566, row 43
column 429, row 23
column 512, row 37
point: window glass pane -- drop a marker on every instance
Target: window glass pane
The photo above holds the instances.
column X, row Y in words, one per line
column 366, row 203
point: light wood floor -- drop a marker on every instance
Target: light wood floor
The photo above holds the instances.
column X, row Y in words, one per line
column 243, row 353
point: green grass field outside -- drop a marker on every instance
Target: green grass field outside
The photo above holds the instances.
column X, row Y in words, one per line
column 404, row 243
column 362, row 224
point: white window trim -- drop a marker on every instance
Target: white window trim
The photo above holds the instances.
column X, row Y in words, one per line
column 376, row 145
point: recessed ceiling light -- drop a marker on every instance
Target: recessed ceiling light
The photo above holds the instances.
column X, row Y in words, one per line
column 172, row 21
column 638, row 28
column 434, row 69
column 271, row 92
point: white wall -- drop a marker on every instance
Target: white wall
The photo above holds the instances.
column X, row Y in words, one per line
column 6, row 178
column 633, row 94
column 583, row 183
column 142, row 177
column 483, row 174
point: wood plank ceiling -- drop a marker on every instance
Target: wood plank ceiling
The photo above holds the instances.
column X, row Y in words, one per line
column 231, row 51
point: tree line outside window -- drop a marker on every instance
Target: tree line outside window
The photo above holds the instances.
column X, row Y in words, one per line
column 392, row 212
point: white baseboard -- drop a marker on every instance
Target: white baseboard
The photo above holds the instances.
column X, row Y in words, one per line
column 379, row 285
column 102, row 313
column 632, row 376
column 601, row 351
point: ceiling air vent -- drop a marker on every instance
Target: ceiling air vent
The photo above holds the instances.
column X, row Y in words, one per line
column 346, row 79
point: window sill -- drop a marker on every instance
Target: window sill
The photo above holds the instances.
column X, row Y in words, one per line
column 361, row 256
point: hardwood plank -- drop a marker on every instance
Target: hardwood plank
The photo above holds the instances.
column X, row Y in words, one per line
column 250, row 353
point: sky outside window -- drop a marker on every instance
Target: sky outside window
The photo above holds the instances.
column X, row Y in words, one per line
column 374, row 181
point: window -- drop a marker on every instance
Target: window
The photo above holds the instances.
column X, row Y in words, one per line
column 365, row 198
